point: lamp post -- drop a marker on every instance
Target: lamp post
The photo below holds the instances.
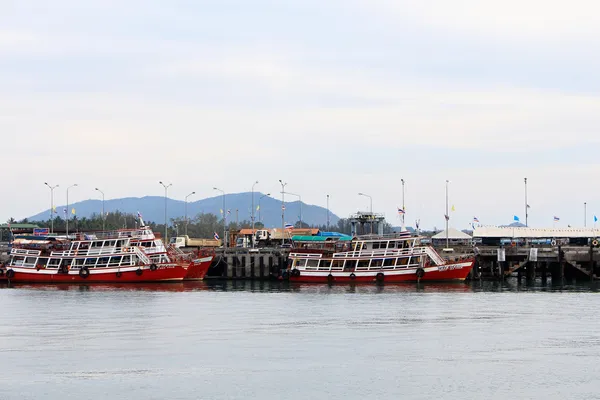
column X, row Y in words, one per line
column 103, row 214
column 73, row 185
column 327, row 212
column 282, row 211
column 51, row 205
column 224, row 238
column 585, row 214
column 371, row 208
column 253, row 213
column 299, row 199
column 526, row 205
column 166, row 231
column 447, row 215
column 186, row 214
column 403, row 206
column 259, row 199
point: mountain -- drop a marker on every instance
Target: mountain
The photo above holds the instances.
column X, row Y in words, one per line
column 152, row 208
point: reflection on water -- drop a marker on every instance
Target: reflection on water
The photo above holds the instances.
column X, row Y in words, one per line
column 510, row 285
column 273, row 340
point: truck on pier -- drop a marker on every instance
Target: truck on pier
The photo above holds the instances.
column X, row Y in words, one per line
column 183, row 242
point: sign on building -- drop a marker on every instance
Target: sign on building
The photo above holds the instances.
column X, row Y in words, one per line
column 40, row 231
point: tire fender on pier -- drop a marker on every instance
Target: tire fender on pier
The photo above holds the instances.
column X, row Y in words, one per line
column 295, row 272
column 10, row 273
column 119, row 274
column 595, row 243
column 379, row 277
column 153, row 267
column 420, row 272
column 330, row 278
column 139, row 272
column 352, row 276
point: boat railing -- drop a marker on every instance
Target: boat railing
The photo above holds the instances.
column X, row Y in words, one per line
column 381, row 253
column 141, row 255
column 24, row 252
column 177, row 255
column 435, row 257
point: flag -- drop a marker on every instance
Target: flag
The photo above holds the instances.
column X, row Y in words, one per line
column 139, row 215
column 289, row 226
column 228, row 212
column 595, row 219
column 447, row 217
column 417, row 224
column 216, row 236
column 556, row 219
column 258, row 207
column 73, row 211
column 65, row 211
column 528, row 206
column 475, row 219
column 54, row 210
column 283, row 207
column 453, row 209
column 400, row 211
column 221, row 210
column 516, row 218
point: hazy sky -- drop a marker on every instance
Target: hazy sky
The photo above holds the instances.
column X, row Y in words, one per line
column 338, row 97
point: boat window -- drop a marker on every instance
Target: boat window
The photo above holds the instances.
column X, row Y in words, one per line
column 388, row 262
column 312, row 264
column 376, row 263
column 337, row 264
column 299, row 263
column 350, row 265
column 111, row 243
column 375, row 245
column 115, row 260
column 30, row 260
column 126, row 260
column 325, row 264
column 42, row 262
column 392, row 245
column 363, row 264
column 90, row 261
column 53, row 263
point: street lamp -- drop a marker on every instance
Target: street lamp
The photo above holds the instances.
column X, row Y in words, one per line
column 371, row 209
column 264, row 195
column 51, row 205
column 282, row 211
column 73, row 185
column 103, row 215
column 585, row 215
column 300, row 199
column 223, row 212
column 166, row 233
column 186, row 214
column 253, row 213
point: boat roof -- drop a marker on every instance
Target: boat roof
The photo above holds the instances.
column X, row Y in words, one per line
column 320, row 239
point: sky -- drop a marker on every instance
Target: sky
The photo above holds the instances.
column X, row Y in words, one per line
column 335, row 97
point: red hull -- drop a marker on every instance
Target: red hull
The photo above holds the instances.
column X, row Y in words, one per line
column 198, row 269
column 450, row 272
column 164, row 273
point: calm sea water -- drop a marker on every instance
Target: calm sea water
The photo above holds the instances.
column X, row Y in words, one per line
column 278, row 341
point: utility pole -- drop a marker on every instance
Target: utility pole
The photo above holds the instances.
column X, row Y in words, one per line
column 224, row 229
column 371, row 208
column 103, row 214
column 282, row 211
column 299, row 199
column 186, row 213
column 253, row 212
column 585, row 215
column 259, row 199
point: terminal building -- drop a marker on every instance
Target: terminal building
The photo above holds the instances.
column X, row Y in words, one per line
column 520, row 236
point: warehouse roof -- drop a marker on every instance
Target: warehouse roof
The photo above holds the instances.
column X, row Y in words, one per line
column 506, row 232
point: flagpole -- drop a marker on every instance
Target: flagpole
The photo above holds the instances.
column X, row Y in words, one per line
column 67, row 216
column 403, row 206
column 526, row 211
column 447, row 215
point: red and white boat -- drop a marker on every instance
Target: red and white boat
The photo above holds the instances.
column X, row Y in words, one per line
column 122, row 256
column 387, row 258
